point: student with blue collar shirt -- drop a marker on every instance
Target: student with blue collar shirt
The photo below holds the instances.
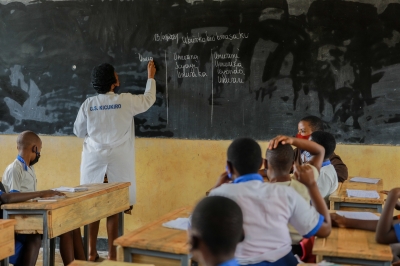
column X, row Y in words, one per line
column 216, row 229
column 20, row 176
column 268, row 208
column 328, row 180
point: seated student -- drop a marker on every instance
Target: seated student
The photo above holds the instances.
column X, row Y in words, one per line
column 308, row 125
column 278, row 164
column 268, row 208
column 328, row 180
column 26, row 246
column 20, row 176
column 216, row 229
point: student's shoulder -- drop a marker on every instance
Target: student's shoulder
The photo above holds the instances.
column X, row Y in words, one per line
column 13, row 168
column 329, row 171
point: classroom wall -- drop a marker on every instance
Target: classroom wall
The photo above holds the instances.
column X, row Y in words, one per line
column 173, row 173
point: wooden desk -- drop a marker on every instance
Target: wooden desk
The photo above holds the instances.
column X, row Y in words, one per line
column 339, row 197
column 7, row 243
column 78, row 209
column 153, row 240
column 352, row 246
column 106, row 263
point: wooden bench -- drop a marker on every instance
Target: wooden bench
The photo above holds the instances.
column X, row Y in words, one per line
column 7, row 242
column 106, row 263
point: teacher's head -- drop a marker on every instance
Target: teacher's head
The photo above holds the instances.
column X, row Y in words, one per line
column 104, row 78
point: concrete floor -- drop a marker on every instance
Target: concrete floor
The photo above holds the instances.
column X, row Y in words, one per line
column 103, row 256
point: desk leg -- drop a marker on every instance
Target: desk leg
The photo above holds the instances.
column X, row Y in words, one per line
column 337, row 206
column 46, row 242
column 379, row 208
column 185, row 260
column 86, row 240
column 120, row 224
column 5, row 262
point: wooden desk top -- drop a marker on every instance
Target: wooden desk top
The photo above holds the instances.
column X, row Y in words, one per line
column 106, row 263
column 352, row 243
column 95, row 190
column 340, row 195
column 158, row 238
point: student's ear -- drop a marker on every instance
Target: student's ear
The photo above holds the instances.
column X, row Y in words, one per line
column 292, row 168
column 230, row 167
column 34, row 148
column 194, row 243
column 242, row 237
column 265, row 163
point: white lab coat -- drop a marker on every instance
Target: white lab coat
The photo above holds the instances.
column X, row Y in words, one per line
column 106, row 122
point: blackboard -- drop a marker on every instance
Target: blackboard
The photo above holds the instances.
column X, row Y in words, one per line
column 225, row 68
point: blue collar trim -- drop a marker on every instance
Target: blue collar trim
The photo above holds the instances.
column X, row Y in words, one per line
column 19, row 158
column 232, row 262
column 326, row 163
column 248, row 177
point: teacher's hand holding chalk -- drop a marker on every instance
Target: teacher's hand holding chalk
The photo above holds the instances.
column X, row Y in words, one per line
column 151, row 70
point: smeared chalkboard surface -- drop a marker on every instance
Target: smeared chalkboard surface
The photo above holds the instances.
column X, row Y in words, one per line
column 225, row 68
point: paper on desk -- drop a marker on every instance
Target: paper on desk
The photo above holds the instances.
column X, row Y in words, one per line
column 180, row 224
column 358, row 215
column 70, row 189
column 355, row 193
column 365, row 180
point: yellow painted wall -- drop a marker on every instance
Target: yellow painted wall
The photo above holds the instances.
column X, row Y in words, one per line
column 174, row 173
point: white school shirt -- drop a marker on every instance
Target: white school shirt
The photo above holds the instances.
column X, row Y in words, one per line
column 267, row 209
column 17, row 179
column 107, row 124
column 327, row 181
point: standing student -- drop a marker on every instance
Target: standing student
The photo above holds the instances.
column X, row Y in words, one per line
column 306, row 127
column 107, row 124
column 268, row 208
column 216, row 229
column 20, row 176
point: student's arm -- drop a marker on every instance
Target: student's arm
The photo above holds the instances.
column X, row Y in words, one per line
column 340, row 221
column 80, row 125
column 24, row 196
column 316, row 150
column 386, row 232
column 141, row 103
column 305, row 175
column 223, row 179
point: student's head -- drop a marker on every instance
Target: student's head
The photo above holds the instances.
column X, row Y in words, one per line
column 308, row 125
column 279, row 160
column 216, row 228
column 244, row 157
column 29, row 144
column 104, row 78
column 326, row 140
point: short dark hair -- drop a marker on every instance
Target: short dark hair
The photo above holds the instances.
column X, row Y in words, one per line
column 316, row 123
column 326, row 140
column 103, row 76
column 219, row 221
column 245, row 155
column 281, row 158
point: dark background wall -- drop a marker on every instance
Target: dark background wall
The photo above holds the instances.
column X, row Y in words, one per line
column 339, row 60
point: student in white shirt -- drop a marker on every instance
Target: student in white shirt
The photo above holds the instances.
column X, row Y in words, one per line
column 268, row 208
column 106, row 122
column 328, row 180
column 278, row 164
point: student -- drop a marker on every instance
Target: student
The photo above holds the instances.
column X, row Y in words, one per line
column 106, row 122
column 278, row 164
column 328, row 180
column 26, row 246
column 268, row 208
column 308, row 125
column 216, row 229
column 20, row 176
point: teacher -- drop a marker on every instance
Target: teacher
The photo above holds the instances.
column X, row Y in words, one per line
column 106, row 122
